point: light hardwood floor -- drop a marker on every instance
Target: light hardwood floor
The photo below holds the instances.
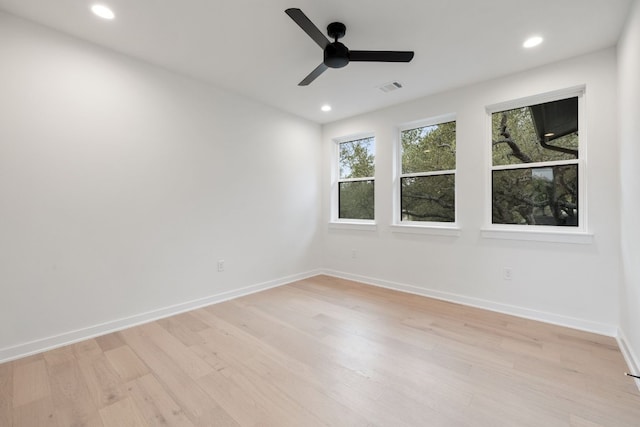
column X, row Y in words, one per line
column 326, row 351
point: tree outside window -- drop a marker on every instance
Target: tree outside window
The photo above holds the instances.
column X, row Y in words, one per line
column 427, row 176
column 356, row 183
column 535, row 164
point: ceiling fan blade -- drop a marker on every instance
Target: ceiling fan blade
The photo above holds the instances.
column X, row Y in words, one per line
column 308, row 27
column 313, row 75
column 380, row 56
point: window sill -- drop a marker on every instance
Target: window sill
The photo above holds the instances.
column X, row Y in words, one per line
column 434, row 230
column 579, row 238
column 354, row 225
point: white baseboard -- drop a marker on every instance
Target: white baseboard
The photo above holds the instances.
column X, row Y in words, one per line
column 633, row 362
column 37, row 346
column 555, row 319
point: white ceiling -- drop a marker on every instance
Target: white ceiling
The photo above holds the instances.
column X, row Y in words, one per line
column 254, row 48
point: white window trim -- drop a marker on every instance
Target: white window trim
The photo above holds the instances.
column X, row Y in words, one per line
column 433, row 228
column 353, row 224
column 421, row 227
column 577, row 235
column 346, row 223
column 546, row 234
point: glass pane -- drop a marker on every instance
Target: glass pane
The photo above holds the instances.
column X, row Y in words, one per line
column 536, row 196
column 357, row 158
column 355, row 200
column 428, row 198
column 429, row 148
column 538, row 133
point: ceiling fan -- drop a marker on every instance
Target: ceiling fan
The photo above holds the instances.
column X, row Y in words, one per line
column 337, row 55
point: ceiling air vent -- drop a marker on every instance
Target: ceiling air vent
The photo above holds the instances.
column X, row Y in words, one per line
column 390, row 87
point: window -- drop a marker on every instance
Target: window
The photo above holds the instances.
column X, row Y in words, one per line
column 536, row 165
column 428, row 173
column 356, row 170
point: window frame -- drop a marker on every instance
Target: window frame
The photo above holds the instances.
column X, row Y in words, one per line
column 350, row 223
column 552, row 233
column 422, row 227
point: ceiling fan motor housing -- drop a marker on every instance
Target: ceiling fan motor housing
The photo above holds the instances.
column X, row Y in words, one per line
column 336, row 55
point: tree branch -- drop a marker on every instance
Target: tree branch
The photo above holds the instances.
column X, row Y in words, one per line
column 515, row 150
column 437, row 200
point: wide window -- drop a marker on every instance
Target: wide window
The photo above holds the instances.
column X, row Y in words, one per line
column 356, row 184
column 535, row 165
column 428, row 173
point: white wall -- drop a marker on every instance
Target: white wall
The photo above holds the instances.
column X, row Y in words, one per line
column 121, row 184
column 629, row 107
column 572, row 284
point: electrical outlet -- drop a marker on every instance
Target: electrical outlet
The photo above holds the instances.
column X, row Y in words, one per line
column 507, row 273
column 353, row 254
column 220, row 265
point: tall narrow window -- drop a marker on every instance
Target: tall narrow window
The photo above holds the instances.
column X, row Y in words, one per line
column 535, row 161
column 356, row 183
column 428, row 173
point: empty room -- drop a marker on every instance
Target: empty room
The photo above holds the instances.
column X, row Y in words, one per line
column 336, row 213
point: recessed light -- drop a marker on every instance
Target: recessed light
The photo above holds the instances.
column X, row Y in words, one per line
column 326, row 108
column 102, row 11
column 549, row 134
column 532, row 42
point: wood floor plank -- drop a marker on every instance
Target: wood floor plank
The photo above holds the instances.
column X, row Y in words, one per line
column 30, row 383
column 6, row 394
column 70, row 395
column 156, row 405
column 59, row 355
column 181, row 331
column 110, row 341
column 103, row 382
column 184, row 327
column 578, row 421
column 327, row 351
column 126, row 363
column 38, row 413
column 244, row 397
column 123, row 413
column 87, row 349
column 175, row 349
column 28, row 359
